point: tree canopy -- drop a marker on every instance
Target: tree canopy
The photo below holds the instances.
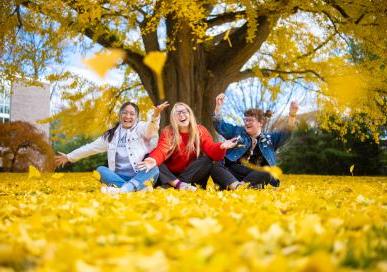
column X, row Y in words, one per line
column 209, row 45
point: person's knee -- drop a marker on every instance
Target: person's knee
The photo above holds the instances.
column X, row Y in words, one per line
column 155, row 171
column 205, row 160
column 102, row 169
column 206, row 163
column 256, row 177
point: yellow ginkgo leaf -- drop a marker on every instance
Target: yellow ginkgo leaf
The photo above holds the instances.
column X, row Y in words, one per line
column 351, row 169
column 96, row 175
column 102, row 62
column 155, row 60
column 275, row 171
column 33, row 172
column 57, row 175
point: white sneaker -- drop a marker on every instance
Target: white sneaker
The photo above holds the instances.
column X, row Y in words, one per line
column 187, row 187
column 110, row 190
column 235, row 185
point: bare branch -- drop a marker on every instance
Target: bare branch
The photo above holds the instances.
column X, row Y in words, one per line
column 333, row 4
column 321, row 45
column 249, row 73
column 266, row 71
column 19, row 19
column 358, row 20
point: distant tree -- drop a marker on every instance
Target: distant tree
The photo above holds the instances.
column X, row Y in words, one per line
column 21, row 145
column 316, row 151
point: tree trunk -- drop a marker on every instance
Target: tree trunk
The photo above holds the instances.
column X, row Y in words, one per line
column 186, row 77
column 195, row 74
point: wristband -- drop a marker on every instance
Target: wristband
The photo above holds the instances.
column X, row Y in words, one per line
column 177, row 186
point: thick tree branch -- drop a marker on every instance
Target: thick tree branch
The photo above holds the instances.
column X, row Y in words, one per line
column 150, row 40
column 149, row 37
column 220, row 37
column 108, row 40
column 223, row 18
column 227, row 61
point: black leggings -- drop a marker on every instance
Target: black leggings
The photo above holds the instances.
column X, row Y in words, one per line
column 257, row 179
column 198, row 172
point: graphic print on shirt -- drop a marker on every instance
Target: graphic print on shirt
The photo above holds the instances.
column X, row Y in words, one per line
column 123, row 165
column 121, row 140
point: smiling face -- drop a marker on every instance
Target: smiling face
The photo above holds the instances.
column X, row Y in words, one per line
column 252, row 125
column 128, row 116
column 181, row 116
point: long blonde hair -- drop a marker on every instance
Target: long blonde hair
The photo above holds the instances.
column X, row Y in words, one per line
column 194, row 134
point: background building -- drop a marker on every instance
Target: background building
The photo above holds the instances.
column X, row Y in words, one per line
column 26, row 103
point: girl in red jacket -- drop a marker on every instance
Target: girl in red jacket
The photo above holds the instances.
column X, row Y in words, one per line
column 186, row 154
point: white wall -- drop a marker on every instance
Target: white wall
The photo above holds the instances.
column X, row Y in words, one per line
column 31, row 104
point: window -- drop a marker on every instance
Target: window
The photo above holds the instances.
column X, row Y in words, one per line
column 4, row 101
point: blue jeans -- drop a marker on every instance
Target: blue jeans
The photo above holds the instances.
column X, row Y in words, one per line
column 128, row 183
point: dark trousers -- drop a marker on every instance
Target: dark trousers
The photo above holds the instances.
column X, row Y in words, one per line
column 198, row 172
column 257, row 179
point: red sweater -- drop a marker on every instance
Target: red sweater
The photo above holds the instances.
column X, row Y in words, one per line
column 178, row 160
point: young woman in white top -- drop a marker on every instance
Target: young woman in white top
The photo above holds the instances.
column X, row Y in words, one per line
column 126, row 144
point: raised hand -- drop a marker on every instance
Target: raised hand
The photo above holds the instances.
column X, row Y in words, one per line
column 61, row 160
column 159, row 109
column 293, row 109
column 219, row 100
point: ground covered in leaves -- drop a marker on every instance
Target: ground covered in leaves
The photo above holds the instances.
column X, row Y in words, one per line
column 311, row 223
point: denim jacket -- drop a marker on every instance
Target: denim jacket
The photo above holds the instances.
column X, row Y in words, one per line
column 268, row 143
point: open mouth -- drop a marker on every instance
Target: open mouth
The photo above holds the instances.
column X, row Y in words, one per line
column 128, row 121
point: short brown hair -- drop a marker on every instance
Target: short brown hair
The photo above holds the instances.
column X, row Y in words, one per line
column 258, row 114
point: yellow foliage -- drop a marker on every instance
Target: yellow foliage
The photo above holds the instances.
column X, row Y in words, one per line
column 57, row 176
column 102, row 62
column 348, row 86
column 33, row 172
column 96, row 175
column 310, row 223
